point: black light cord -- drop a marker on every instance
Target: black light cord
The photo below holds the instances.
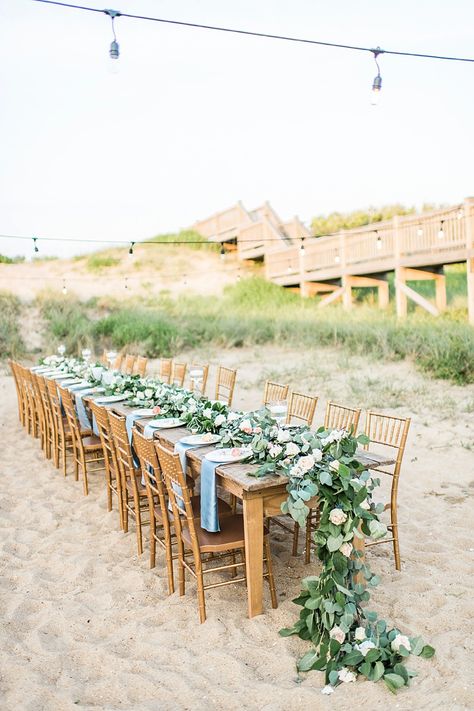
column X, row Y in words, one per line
column 114, row 243
column 265, row 35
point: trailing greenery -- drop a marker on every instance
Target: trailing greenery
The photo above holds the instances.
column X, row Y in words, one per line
column 255, row 312
column 11, row 342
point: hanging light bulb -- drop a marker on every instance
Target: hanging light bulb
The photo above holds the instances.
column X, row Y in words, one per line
column 441, row 230
column 302, row 247
column 289, row 268
column 35, row 246
column 378, row 240
column 419, row 231
column 130, row 251
column 64, row 289
column 222, row 252
column 126, row 282
column 377, row 83
column 114, row 51
column 337, row 258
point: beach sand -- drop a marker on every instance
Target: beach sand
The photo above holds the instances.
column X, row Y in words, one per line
column 86, row 624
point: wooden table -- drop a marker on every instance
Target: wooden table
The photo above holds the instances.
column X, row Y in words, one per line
column 261, row 497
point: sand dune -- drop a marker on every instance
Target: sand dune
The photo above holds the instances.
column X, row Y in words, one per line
column 85, row 624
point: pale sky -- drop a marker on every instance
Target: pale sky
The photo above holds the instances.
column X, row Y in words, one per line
column 196, row 120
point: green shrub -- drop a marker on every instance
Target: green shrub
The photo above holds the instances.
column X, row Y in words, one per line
column 11, row 341
column 101, row 261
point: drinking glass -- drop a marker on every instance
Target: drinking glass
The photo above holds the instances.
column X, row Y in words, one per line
column 279, row 410
column 196, row 376
column 86, row 354
column 61, row 349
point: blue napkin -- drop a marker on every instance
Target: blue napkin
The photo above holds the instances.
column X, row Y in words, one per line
column 81, row 409
column 149, row 432
column 129, row 422
column 209, row 515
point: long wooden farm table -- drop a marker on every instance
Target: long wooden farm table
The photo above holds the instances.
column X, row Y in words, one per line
column 261, row 497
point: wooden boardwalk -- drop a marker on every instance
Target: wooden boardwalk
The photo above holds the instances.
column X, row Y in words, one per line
column 414, row 247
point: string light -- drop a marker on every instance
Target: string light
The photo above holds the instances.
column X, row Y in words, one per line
column 289, row 269
column 130, row 251
column 377, row 83
column 114, row 51
column 302, row 250
column 337, row 258
column 35, row 246
column 126, row 282
column 222, row 252
column 441, row 230
column 64, row 289
column 378, row 241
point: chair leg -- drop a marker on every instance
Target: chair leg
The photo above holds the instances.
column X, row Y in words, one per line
column 125, row 512
column 200, row 590
column 138, row 525
column 152, row 545
column 296, row 534
column 181, row 579
column 396, row 545
column 85, row 483
column 271, row 580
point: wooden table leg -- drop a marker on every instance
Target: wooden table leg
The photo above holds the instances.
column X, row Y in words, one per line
column 359, row 545
column 253, row 527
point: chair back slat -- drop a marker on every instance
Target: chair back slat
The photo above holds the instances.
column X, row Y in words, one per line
column 388, row 431
column 140, row 366
column 106, row 439
column 128, row 364
column 178, row 490
column 166, row 366
column 339, row 417
column 122, row 447
column 301, row 407
column 225, row 384
column 71, row 415
column 150, row 466
column 274, row 391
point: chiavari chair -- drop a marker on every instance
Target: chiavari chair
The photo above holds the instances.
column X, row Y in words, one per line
column 178, row 374
column 18, row 387
column 32, row 414
column 41, row 414
column 117, row 364
column 192, row 538
column 274, row 391
column 140, row 366
column 112, row 471
column 301, row 407
column 391, row 434
column 225, row 384
column 86, row 448
column 48, row 415
column 62, row 437
column 166, row 366
column 128, row 364
column 338, row 417
column 134, row 493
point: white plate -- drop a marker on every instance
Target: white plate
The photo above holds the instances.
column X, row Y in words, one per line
column 99, row 389
column 40, row 368
column 82, row 383
column 206, row 438
column 110, row 398
column 71, row 381
column 166, row 423
column 143, row 412
column 54, row 373
column 230, row 454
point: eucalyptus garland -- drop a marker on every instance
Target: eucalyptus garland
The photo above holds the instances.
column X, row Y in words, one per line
column 346, row 638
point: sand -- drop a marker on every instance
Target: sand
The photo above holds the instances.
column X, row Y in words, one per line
column 86, row 624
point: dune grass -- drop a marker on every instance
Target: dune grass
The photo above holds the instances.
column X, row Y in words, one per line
column 11, row 342
column 255, row 312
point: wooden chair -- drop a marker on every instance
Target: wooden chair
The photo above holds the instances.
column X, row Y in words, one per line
column 134, row 493
column 301, row 407
column 48, row 416
column 128, row 364
column 161, row 528
column 41, row 414
column 274, row 391
column 140, row 366
column 117, row 364
column 18, row 387
column 112, row 471
column 166, row 366
column 205, row 375
column 23, row 394
column 86, row 447
column 225, row 384
column 390, row 433
column 32, row 414
column 338, row 417
column 192, row 538
column 62, row 437
column 178, row 374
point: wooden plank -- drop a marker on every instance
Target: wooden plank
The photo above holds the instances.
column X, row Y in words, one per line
column 332, row 297
column 417, row 298
column 253, row 529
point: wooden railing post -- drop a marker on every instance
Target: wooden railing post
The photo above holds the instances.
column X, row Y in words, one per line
column 400, row 295
column 469, row 230
column 345, row 280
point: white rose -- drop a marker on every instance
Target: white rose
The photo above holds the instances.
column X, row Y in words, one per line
column 306, row 463
column 346, row 676
column 317, row 454
column 328, row 689
column 401, row 641
column 233, row 416
column 148, row 393
column 334, row 465
column 291, row 449
column 246, row 426
column 275, row 450
column 207, row 413
column 296, row 471
column 365, row 646
column 220, row 419
column 338, row 634
column 283, row 436
column 192, row 408
column 346, row 549
column 337, row 517
column 359, row 634
column 140, row 395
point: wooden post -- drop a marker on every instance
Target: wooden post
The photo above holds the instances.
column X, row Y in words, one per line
column 469, row 227
column 440, row 285
column 383, row 294
column 400, row 296
column 345, row 282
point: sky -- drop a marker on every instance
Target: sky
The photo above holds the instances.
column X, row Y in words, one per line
column 195, row 120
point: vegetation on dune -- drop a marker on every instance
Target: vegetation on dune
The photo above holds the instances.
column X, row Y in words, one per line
column 11, row 342
column 257, row 312
column 335, row 221
column 99, row 261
